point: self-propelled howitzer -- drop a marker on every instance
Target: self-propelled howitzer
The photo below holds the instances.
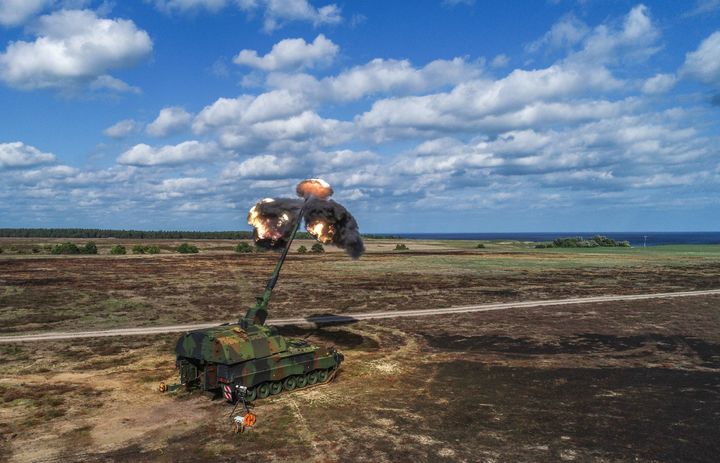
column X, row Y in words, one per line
column 252, row 355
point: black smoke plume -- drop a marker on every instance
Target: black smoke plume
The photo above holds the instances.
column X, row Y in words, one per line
column 347, row 235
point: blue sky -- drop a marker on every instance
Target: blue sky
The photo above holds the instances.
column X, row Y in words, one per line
column 425, row 116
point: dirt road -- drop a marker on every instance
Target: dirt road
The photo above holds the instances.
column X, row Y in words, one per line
column 325, row 319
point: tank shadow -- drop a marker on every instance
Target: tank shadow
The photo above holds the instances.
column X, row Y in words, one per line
column 329, row 319
column 338, row 337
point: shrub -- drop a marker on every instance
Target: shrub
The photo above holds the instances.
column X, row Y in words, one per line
column 89, row 248
column 65, row 248
column 1, row 250
column 243, row 246
column 302, row 250
column 118, row 250
column 480, row 246
column 187, row 248
column 541, row 246
column 145, row 249
column 401, row 247
column 317, row 248
column 36, row 249
column 566, row 242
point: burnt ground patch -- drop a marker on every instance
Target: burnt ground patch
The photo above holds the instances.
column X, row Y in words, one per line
column 580, row 344
column 531, row 414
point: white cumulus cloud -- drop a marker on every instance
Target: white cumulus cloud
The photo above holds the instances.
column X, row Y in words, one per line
column 278, row 12
column 659, row 83
column 633, row 42
column 170, row 120
column 704, row 63
column 291, row 54
column 379, row 76
column 566, row 33
column 107, row 82
column 189, row 151
column 262, row 167
column 181, row 187
column 247, row 109
column 474, row 100
column 18, row 154
column 15, row 12
column 121, row 129
column 73, row 47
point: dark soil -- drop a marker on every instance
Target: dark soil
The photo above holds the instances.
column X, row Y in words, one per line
column 42, row 294
column 611, row 382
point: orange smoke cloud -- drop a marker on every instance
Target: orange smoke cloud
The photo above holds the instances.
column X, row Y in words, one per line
column 314, row 187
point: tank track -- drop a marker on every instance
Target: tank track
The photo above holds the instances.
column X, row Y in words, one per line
column 291, row 383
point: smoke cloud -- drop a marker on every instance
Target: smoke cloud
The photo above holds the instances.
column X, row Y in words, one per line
column 274, row 220
column 346, row 234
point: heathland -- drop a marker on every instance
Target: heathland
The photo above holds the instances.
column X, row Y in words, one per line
column 595, row 382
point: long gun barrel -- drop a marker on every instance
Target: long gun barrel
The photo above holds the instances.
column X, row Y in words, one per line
column 257, row 314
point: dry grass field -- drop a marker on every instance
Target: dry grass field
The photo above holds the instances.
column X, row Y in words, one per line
column 625, row 381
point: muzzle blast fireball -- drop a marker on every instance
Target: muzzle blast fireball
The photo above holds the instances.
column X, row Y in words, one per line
column 329, row 222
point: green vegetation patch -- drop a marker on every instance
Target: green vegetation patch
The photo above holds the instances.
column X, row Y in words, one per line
column 147, row 249
column 243, row 247
column 118, row 250
column 71, row 248
column 187, row 248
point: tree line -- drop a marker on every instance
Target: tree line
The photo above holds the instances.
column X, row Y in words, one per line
column 578, row 242
column 124, row 234
column 142, row 234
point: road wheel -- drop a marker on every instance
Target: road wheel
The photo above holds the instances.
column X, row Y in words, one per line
column 322, row 376
column 301, row 381
column 263, row 390
column 276, row 387
column 312, row 377
column 251, row 394
column 289, row 384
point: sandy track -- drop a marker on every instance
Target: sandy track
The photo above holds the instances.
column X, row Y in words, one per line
column 326, row 319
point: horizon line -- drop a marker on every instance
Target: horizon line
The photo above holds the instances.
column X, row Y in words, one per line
column 365, row 233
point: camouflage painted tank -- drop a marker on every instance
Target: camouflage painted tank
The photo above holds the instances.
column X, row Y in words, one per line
column 253, row 355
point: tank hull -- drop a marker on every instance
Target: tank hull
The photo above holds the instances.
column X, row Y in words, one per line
column 229, row 359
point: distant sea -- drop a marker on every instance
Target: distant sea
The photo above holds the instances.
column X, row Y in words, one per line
column 635, row 238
